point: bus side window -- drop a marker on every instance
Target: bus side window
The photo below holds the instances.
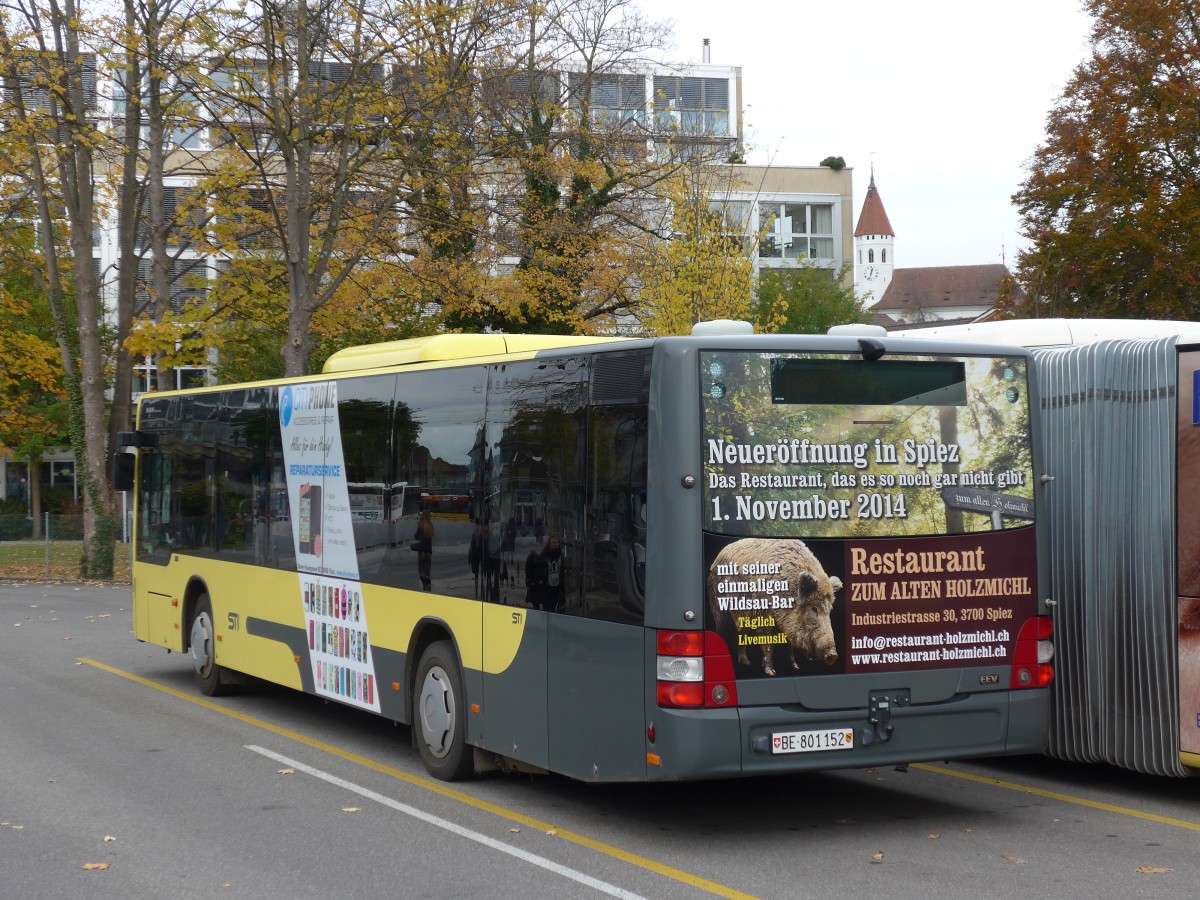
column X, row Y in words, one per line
column 615, row 578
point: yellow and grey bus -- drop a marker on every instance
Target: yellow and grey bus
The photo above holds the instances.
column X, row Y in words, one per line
column 709, row 556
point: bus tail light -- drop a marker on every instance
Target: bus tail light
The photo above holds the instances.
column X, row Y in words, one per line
column 695, row 671
column 1033, row 654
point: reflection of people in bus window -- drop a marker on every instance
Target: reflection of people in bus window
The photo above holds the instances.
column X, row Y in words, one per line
column 555, row 574
column 423, row 540
column 492, row 562
column 475, row 554
column 535, row 580
column 508, row 543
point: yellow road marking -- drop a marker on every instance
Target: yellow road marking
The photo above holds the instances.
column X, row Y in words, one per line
column 1064, row 798
column 641, row 862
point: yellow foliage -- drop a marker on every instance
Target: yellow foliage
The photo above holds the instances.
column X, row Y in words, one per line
column 703, row 271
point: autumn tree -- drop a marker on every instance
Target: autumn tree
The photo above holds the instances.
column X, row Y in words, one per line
column 50, row 152
column 32, row 402
column 156, row 75
column 1110, row 204
column 701, row 269
column 565, row 126
column 805, row 299
column 314, row 161
column 452, row 262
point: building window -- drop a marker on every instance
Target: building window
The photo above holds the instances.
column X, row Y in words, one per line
column 184, row 216
column 883, row 255
column 733, row 217
column 696, row 106
column 188, row 284
column 615, row 101
column 796, row 230
column 870, row 256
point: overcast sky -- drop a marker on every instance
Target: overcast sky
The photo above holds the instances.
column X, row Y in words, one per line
column 947, row 97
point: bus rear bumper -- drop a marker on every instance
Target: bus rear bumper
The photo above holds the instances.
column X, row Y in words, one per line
column 700, row 744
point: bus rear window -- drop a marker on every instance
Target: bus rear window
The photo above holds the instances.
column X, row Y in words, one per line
column 882, row 382
column 836, row 446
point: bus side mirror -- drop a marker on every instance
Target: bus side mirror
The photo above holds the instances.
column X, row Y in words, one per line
column 123, row 464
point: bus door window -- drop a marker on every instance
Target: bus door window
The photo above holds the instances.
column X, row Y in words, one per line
column 535, row 485
column 247, row 422
column 615, row 578
column 364, row 411
column 194, row 470
column 437, row 462
column 156, row 524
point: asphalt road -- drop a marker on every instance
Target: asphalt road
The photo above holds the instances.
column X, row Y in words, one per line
column 119, row 780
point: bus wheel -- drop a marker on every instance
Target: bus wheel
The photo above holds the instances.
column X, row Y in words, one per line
column 204, row 649
column 439, row 716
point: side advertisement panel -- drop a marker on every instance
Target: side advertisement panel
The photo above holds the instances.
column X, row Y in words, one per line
column 323, row 535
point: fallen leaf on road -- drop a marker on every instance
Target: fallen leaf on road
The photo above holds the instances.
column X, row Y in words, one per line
column 1152, row 870
column 285, row 771
column 552, row 832
column 877, row 857
column 351, row 809
column 934, row 836
column 514, row 830
column 11, row 826
column 108, row 838
column 92, row 867
column 1013, row 859
column 66, row 639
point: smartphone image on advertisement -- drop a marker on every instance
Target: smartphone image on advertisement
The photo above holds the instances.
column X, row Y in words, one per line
column 310, row 518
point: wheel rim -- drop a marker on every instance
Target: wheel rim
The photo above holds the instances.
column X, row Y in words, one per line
column 202, row 644
column 437, row 712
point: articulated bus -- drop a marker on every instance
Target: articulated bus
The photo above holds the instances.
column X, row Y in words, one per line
column 1120, row 435
column 657, row 559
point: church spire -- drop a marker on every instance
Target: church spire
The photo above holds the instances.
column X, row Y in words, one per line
column 873, row 219
column 874, row 247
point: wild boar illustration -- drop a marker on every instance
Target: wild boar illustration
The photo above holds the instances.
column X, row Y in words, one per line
column 773, row 579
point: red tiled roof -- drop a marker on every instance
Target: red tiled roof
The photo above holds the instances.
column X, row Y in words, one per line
column 873, row 219
column 943, row 287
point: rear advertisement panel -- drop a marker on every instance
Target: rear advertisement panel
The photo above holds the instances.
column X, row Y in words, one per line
column 867, row 516
column 1188, row 537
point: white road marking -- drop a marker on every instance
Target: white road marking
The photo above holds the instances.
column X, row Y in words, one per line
column 602, row 886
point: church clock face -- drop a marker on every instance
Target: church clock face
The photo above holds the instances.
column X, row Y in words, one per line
column 870, row 273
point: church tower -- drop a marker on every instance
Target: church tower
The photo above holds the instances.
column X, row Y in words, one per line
column 874, row 248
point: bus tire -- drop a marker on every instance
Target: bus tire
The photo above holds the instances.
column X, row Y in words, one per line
column 203, row 648
column 439, row 714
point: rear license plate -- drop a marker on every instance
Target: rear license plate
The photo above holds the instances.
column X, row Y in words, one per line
column 812, row 741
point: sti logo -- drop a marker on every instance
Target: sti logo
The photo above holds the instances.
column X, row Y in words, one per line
column 285, row 407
